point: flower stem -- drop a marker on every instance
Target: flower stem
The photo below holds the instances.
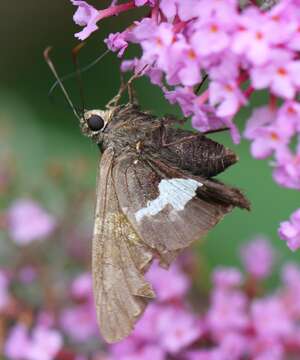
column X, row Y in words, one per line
column 114, row 10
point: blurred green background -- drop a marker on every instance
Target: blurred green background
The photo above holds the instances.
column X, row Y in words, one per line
column 35, row 131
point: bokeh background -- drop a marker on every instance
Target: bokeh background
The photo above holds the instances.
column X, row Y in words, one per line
column 40, row 140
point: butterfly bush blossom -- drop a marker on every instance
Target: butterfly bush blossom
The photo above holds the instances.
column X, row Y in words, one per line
column 241, row 49
column 237, row 319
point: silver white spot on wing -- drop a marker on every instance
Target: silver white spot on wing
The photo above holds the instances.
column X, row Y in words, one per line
column 174, row 192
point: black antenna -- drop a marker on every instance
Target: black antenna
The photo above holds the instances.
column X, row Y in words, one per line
column 75, row 52
column 82, row 70
column 52, row 68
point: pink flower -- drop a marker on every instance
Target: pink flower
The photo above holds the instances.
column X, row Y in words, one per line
column 157, row 45
column 17, row 342
column 44, row 345
column 270, row 318
column 290, row 231
column 253, row 39
column 227, row 97
column 268, row 139
column 117, row 43
column 290, row 293
column 82, row 287
column 287, row 169
column 281, row 75
column 127, row 347
column 288, row 117
column 168, row 284
column 234, row 346
column 29, row 222
column 85, row 15
column 227, row 311
column 205, row 118
column 283, row 20
column 258, row 257
column 84, row 315
column 260, row 117
column 210, row 38
column 143, row 30
column 290, row 275
column 268, row 131
column 147, row 328
column 185, row 68
column 177, row 329
column 184, row 96
column 227, row 278
column 294, row 42
column 224, row 67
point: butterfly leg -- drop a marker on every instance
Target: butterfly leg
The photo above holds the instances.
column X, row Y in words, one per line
column 167, row 120
column 132, row 97
column 215, row 131
column 163, row 132
column 124, row 86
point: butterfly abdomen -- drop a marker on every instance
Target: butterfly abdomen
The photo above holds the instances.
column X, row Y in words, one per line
column 196, row 153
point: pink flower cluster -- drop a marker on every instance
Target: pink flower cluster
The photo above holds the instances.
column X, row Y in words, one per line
column 235, row 321
column 42, row 333
column 241, row 49
column 42, row 344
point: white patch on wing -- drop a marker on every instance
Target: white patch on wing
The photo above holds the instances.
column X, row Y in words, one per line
column 174, row 192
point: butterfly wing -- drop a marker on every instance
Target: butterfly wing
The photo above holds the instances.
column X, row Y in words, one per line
column 119, row 260
column 170, row 208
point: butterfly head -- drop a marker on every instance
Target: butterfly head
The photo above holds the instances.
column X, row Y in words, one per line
column 94, row 122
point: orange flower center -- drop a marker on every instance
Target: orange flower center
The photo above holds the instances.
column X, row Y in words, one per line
column 274, row 136
column 214, row 28
column 275, row 18
column 159, row 42
column 191, row 54
column 229, row 88
column 291, row 110
column 281, row 71
column 259, row 35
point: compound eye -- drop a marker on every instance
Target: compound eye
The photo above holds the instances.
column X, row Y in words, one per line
column 95, row 122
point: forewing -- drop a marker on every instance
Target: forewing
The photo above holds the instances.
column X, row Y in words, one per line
column 170, row 208
column 119, row 260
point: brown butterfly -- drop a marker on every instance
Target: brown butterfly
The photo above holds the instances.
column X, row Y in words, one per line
column 155, row 196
